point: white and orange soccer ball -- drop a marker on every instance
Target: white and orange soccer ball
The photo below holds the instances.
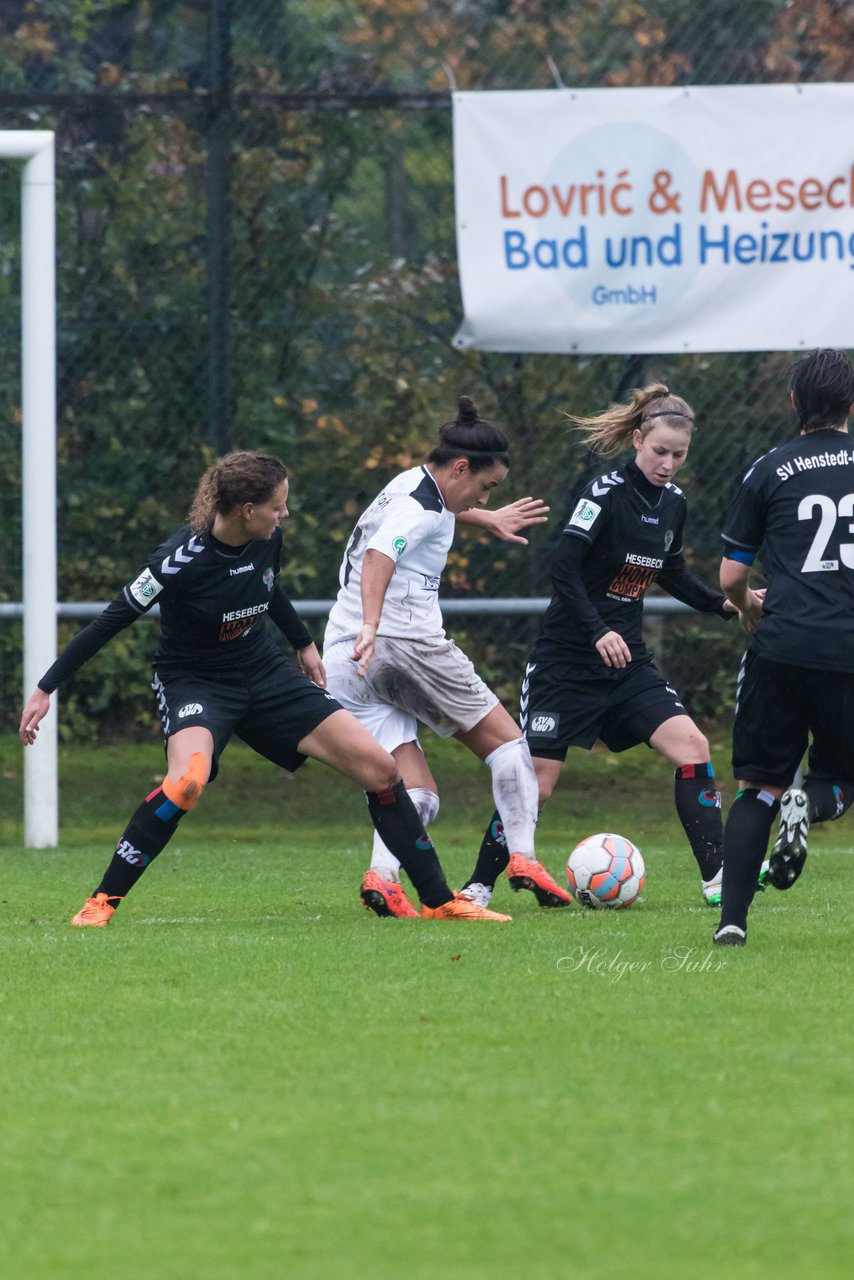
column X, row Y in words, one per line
column 605, row 870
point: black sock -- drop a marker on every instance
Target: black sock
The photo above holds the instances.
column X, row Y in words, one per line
column 748, row 827
column 698, row 805
column 828, row 800
column 493, row 856
column 396, row 819
column 147, row 834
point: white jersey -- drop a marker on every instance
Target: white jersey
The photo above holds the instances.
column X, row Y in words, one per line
column 408, row 522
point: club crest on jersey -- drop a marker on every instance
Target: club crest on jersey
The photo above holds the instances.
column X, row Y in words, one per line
column 268, row 579
column 584, row 514
column 668, row 540
column 145, row 588
column 399, row 545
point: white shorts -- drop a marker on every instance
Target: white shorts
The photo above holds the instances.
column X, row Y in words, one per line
column 431, row 681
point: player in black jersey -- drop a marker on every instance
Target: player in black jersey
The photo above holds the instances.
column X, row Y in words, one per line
column 590, row 675
column 795, row 510
column 219, row 671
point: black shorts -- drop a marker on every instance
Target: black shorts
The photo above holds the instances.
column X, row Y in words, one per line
column 778, row 709
column 566, row 704
column 270, row 706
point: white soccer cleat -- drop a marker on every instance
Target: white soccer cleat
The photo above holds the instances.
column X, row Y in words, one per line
column 790, row 848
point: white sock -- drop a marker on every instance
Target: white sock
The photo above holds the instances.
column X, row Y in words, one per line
column 480, row 894
column 383, row 860
column 514, row 788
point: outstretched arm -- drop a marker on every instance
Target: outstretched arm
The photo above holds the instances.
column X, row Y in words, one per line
column 377, row 571
column 117, row 615
column 505, row 522
column 678, row 581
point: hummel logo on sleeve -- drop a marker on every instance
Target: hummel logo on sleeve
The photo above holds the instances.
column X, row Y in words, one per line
column 179, row 556
column 601, row 486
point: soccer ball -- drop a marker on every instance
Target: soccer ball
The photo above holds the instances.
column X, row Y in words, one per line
column 605, row 870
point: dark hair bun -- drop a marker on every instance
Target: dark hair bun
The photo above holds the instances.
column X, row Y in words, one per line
column 467, row 414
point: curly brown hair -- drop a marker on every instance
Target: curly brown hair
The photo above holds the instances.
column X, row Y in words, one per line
column 233, row 480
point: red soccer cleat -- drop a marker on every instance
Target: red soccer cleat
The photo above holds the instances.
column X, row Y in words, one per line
column 386, row 897
column 527, row 873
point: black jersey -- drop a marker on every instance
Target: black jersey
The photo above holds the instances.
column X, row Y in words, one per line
column 795, row 509
column 624, row 534
column 213, row 601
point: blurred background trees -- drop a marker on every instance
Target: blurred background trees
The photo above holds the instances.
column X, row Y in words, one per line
column 256, row 249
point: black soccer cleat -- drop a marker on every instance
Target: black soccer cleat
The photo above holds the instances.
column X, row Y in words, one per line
column 790, row 848
column 730, row 935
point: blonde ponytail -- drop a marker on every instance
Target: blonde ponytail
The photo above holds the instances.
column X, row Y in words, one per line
column 610, row 432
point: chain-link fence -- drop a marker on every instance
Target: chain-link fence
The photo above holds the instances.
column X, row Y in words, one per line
column 256, row 249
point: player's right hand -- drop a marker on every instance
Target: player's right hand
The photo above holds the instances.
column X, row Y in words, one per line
column 364, row 646
column 38, row 705
column 613, row 650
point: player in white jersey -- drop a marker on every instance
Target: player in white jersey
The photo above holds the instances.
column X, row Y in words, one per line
column 389, row 661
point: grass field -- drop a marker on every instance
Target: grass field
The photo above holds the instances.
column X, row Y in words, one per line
column 247, row 1077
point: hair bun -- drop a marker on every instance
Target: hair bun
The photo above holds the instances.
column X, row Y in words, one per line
column 467, row 414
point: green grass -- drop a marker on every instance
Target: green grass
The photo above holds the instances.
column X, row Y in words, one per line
column 247, row 1077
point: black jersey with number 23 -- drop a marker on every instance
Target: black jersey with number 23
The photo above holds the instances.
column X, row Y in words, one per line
column 795, row 509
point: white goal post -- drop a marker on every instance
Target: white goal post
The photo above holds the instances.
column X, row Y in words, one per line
column 38, row 454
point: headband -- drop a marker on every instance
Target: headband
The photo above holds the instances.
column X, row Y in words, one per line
column 667, row 413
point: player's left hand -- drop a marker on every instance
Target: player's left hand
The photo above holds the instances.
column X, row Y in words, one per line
column 311, row 663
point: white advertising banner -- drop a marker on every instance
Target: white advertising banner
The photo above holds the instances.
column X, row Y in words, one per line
column 656, row 220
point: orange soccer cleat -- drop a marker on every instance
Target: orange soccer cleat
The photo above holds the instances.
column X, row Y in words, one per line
column 96, row 911
column 527, row 873
column 460, row 908
column 386, row 897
